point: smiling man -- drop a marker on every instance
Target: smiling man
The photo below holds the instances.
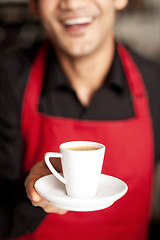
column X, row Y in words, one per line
column 82, row 33
column 79, row 84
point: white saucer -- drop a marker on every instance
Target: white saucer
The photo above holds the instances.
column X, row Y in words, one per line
column 110, row 190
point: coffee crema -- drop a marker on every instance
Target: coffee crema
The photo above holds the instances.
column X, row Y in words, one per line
column 83, row 148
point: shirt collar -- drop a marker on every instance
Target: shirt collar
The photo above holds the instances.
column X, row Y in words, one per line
column 56, row 78
column 54, row 75
column 116, row 76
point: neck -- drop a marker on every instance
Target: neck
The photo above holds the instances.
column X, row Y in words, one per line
column 86, row 74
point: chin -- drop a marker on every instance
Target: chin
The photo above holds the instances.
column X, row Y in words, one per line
column 78, row 50
column 74, row 54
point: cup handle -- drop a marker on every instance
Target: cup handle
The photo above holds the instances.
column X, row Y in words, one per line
column 51, row 168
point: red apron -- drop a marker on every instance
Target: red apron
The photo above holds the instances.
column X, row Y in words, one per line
column 129, row 156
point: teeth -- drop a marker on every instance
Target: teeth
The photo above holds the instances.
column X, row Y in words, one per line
column 81, row 20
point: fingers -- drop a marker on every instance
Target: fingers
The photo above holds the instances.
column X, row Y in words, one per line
column 47, row 207
column 34, row 175
column 36, row 199
column 30, row 190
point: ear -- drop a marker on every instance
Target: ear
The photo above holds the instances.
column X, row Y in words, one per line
column 120, row 4
column 33, row 5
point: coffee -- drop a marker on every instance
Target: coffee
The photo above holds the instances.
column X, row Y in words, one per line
column 83, row 148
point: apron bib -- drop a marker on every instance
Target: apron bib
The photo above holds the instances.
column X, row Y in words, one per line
column 129, row 156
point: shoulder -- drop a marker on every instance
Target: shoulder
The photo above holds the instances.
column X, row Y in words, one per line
column 146, row 66
column 149, row 69
column 15, row 68
column 16, row 61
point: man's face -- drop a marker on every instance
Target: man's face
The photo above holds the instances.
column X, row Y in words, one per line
column 78, row 27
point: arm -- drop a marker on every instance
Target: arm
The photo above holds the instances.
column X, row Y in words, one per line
column 17, row 215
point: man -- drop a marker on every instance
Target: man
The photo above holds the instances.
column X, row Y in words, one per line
column 78, row 85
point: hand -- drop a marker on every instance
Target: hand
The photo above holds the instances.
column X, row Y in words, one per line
column 39, row 170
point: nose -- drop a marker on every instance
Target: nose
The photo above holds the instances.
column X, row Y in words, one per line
column 72, row 4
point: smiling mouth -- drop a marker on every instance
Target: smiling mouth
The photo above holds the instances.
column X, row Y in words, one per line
column 78, row 20
column 77, row 23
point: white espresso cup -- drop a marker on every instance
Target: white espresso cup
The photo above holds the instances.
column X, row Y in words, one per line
column 81, row 164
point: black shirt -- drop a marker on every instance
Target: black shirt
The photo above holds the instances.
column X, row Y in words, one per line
column 111, row 102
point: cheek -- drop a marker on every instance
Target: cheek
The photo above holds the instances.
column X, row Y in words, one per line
column 104, row 3
column 47, row 7
column 108, row 9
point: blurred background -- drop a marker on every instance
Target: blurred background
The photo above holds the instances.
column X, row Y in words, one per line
column 138, row 26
